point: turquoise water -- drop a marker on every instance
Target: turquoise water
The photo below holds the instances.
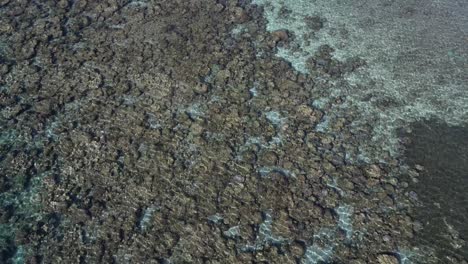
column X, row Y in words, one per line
column 415, row 54
column 416, row 69
column 219, row 131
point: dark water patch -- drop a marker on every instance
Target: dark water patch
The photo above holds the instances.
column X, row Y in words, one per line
column 439, row 154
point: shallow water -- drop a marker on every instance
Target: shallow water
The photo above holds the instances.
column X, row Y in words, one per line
column 233, row 131
column 442, row 151
column 415, row 53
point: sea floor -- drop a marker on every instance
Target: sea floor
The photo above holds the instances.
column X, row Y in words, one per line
column 233, row 131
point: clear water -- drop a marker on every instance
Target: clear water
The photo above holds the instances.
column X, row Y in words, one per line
column 214, row 131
